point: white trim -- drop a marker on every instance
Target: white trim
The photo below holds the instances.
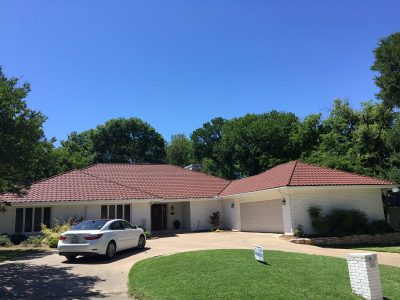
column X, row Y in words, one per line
column 314, row 187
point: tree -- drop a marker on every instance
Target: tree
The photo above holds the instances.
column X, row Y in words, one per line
column 215, row 159
column 180, row 151
column 127, row 140
column 77, row 150
column 21, row 136
column 387, row 63
column 261, row 141
column 357, row 140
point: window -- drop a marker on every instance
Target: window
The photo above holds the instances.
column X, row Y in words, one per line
column 19, row 220
column 37, row 220
column 90, row 225
column 111, row 212
column 46, row 216
column 119, row 211
column 127, row 212
column 104, row 214
column 127, row 225
column 116, row 226
column 29, row 219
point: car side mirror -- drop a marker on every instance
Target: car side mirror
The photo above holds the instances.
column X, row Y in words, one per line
column 134, row 227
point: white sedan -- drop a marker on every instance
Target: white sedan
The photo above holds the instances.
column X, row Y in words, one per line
column 104, row 237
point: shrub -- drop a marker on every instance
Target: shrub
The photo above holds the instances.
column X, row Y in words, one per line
column 379, row 227
column 177, row 224
column 215, row 220
column 17, row 238
column 298, row 231
column 147, row 234
column 51, row 235
column 341, row 222
column 34, row 240
column 5, row 241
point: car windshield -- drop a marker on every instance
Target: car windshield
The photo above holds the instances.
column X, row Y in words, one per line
column 90, row 225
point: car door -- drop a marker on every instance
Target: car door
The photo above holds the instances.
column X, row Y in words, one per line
column 119, row 235
column 132, row 234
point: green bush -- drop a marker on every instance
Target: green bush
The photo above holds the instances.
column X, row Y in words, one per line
column 379, row 227
column 34, row 240
column 215, row 220
column 5, row 241
column 298, row 231
column 147, row 234
column 51, row 235
column 341, row 222
column 17, row 238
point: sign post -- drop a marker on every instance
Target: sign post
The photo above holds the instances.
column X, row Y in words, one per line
column 259, row 253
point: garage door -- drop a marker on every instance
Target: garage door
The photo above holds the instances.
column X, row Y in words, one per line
column 262, row 216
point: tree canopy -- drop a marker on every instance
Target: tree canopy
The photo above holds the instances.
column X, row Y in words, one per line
column 22, row 142
column 180, row 151
column 387, row 64
column 365, row 140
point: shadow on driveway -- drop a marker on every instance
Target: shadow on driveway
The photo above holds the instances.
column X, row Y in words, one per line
column 101, row 260
column 26, row 281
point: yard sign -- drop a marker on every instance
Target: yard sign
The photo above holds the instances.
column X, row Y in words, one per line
column 259, row 253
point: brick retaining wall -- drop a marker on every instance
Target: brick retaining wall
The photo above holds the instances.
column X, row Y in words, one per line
column 362, row 239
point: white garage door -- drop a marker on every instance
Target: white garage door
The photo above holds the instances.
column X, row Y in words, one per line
column 262, row 216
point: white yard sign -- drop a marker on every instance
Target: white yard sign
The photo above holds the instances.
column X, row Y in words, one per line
column 259, row 253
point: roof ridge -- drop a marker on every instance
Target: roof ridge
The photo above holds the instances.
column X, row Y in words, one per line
column 347, row 172
column 229, row 183
column 291, row 175
column 197, row 172
column 120, row 184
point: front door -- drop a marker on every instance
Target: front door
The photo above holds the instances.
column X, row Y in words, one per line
column 158, row 216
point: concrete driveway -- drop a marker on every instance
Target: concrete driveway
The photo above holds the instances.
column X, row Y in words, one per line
column 46, row 275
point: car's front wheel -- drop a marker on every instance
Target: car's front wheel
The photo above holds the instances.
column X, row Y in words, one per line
column 141, row 242
column 111, row 249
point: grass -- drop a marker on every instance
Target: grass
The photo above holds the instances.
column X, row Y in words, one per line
column 391, row 249
column 14, row 252
column 234, row 274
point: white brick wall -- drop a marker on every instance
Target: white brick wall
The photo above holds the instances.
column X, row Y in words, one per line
column 364, row 274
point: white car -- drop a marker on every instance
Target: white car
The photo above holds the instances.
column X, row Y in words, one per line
column 104, row 237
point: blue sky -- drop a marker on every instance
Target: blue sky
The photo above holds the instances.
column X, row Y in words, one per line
column 177, row 64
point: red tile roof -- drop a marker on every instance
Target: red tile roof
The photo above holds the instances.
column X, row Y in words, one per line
column 127, row 181
column 76, row 186
column 296, row 173
column 163, row 181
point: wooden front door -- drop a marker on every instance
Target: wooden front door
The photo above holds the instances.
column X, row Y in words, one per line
column 158, row 217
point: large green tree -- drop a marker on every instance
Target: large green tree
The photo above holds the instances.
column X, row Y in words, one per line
column 214, row 157
column 77, row 150
column 387, row 64
column 358, row 140
column 261, row 141
column 127, row 140
column 22, row 142
column 180, row 151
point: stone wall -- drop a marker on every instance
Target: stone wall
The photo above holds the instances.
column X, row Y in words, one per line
column 362, row 239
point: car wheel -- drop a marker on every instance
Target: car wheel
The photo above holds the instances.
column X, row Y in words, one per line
column 111, row 249
column 142, row 242
column 70, row 257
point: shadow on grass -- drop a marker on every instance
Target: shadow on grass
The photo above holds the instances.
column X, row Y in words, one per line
column 101, row 260
column 26, row 281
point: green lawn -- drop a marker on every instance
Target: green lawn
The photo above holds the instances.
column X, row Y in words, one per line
column 392, row 249
column 10, row 253
column 234, row 274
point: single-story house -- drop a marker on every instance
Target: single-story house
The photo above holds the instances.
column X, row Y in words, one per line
column 154, row 196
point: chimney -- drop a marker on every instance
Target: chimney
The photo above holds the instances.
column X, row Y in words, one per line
column 194, row 167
